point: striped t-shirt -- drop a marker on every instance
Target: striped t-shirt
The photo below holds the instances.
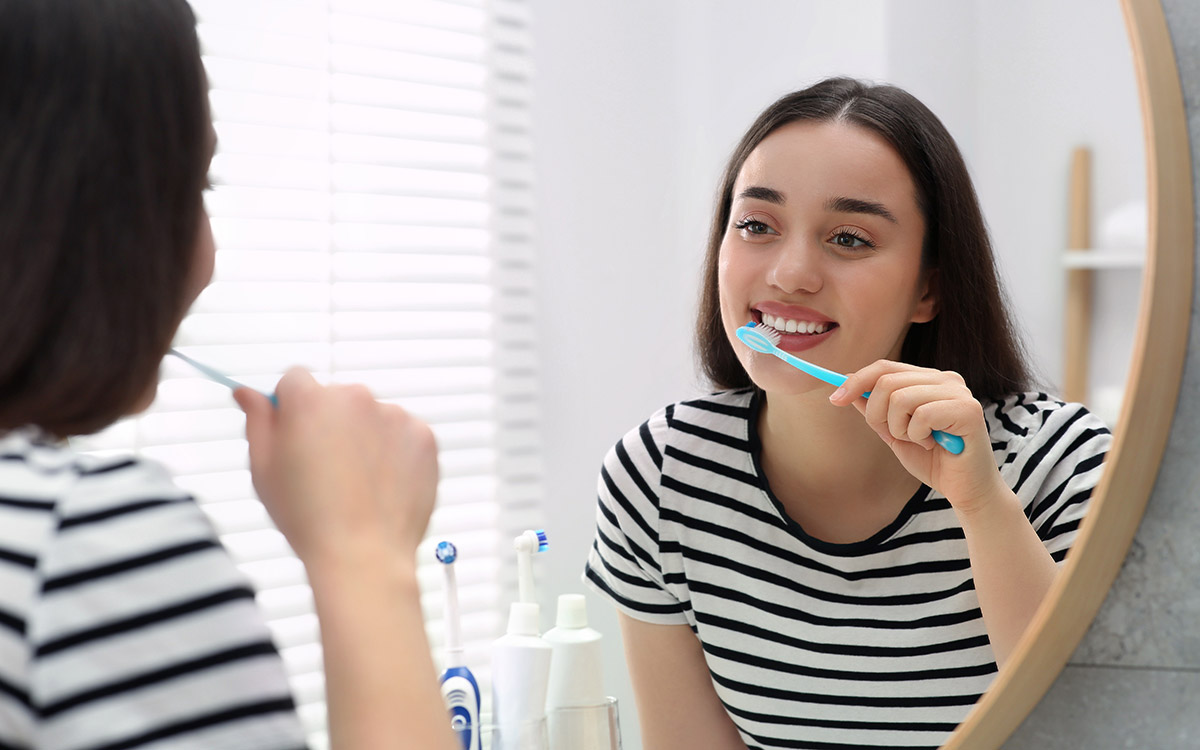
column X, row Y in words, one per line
column 123, row 622
column 811, row 644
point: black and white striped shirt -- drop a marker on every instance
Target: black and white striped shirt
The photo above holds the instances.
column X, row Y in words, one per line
column 123, row 622
column 810, row 644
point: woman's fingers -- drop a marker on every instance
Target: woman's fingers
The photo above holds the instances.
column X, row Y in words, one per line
column 260, row 422
column 908, row 403
column 884, row 410
column 293, row 386
column 939, row 411
column 335, row 467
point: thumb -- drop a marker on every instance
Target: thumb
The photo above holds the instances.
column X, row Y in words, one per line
column 260, row 420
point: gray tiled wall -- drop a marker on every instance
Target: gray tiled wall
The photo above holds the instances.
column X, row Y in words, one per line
column 1134, row 682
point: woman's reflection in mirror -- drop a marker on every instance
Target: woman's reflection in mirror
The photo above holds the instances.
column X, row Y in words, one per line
column 799, row 566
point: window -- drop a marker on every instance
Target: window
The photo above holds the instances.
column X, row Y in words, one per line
column 372, row 210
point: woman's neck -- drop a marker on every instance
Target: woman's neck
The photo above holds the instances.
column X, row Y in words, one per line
column 831, row 472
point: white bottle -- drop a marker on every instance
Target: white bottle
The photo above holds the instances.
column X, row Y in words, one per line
column 576, row 672
column 578, row 710
column 520, row 676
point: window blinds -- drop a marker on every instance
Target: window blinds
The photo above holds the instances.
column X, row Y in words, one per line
column 372, row 209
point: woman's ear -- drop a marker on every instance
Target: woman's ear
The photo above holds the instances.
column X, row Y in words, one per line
column 928, row 303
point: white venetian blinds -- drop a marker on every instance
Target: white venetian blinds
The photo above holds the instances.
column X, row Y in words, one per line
column 371, row 206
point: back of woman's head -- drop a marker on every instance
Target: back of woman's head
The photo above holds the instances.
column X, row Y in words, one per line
column 104, row 145
column 972, row 333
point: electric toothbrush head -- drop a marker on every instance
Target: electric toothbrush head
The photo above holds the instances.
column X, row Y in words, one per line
column 531, row 541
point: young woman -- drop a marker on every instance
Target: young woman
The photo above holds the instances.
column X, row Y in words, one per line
column 123, row 623
column 803, row 567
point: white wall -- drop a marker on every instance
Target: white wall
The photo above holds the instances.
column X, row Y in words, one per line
column 1057, row 75
column 637, row 106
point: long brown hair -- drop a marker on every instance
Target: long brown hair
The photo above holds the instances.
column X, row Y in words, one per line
column 973, row 333
column 104, row 145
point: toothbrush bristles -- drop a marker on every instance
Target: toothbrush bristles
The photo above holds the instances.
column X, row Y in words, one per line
column 772, row 335
column 543, row 542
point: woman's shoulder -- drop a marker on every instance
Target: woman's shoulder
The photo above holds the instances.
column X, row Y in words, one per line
column 719, row 412
column 39, row 472
column 722, row 417
column 29, row 449
column 1034, row 417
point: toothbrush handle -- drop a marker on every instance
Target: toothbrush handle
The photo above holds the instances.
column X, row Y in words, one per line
column 953, row 444
column 820, row 373
column 219, row 377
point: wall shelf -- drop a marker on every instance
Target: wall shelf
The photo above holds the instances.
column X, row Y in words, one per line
column 1104, row 259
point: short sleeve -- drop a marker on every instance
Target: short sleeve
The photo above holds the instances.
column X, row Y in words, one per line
column 1055, row 467
column 144, row 630
column 624, row 564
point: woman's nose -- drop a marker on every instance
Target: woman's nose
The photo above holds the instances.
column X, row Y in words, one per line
column 797, row 268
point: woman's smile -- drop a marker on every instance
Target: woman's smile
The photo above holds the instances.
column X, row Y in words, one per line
column 799, row 328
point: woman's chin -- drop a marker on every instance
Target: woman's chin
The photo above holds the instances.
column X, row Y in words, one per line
column 786, row 380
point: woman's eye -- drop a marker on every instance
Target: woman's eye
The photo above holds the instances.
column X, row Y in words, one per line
column 851, row 240
column 753, row 226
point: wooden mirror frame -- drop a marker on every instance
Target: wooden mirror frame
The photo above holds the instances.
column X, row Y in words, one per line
column 1150, row 397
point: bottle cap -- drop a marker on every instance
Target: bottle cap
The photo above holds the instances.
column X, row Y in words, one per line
column 523, row 619
column 572, row 611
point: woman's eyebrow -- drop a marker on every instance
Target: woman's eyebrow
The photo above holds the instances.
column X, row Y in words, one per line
column 757, row 192
column 858, row 206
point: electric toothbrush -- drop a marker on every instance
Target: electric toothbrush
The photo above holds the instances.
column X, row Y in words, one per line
column 459, row 688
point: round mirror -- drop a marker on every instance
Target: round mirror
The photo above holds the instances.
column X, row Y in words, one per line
column 637, row 106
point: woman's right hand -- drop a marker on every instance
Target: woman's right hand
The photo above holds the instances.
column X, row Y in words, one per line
column 342, row 475
column 351, row 482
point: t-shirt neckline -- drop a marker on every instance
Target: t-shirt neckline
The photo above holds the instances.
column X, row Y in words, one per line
column 870, row 544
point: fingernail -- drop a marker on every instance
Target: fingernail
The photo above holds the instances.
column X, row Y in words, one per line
column 841, row 391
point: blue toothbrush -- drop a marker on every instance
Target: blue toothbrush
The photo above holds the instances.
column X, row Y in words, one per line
column 766, row 340
column 218, row 376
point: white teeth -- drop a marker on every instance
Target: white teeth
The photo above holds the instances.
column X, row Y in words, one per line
column 784, row 325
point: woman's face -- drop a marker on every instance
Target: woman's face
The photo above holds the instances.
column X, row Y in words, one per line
column 824, row 245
